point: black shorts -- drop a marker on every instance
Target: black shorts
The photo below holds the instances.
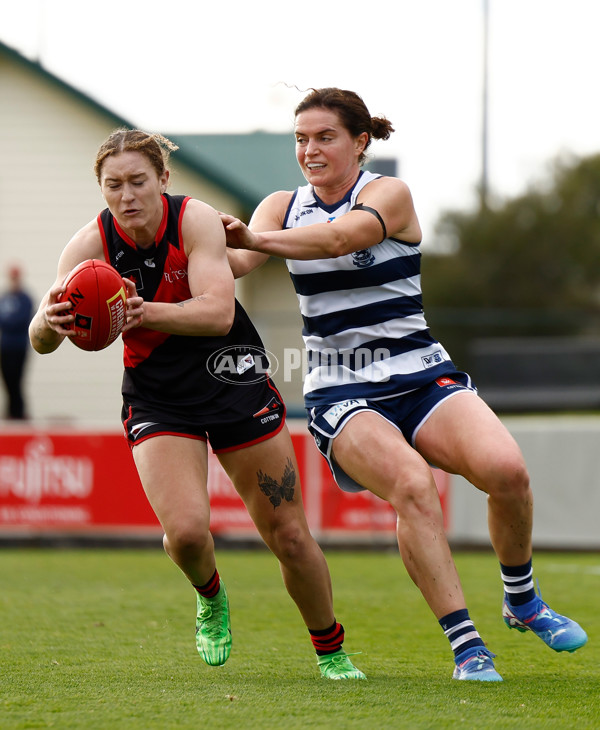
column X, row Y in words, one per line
column 229, row 431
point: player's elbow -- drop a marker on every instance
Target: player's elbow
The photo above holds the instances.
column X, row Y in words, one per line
column 41, row 341
column 224, row 329
column 34, row 341
column 37, row 346
column 341, row 238
column 338, row 243
column 223, row 320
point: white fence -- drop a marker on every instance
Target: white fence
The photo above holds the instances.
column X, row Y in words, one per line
column 563, row 457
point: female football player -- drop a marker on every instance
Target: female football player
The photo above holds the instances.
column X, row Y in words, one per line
column 181, row 313
column 384, row 399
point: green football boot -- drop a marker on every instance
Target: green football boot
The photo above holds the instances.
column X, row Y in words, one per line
column 213, row 628
column 338, row 666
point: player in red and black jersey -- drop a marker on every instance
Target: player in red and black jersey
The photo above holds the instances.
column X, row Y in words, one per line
column 174, row 380
column 195, row 373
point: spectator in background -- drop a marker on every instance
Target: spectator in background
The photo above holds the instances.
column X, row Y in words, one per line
column 16, row 309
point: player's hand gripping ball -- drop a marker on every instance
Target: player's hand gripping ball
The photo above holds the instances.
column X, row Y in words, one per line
column 98, row 298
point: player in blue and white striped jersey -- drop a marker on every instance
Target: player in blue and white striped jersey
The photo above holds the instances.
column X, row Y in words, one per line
column 383, row 396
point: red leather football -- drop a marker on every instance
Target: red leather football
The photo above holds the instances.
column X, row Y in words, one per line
column 97, row 294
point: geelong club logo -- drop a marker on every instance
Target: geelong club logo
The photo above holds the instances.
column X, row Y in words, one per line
column 242, row 364
column 363, row 258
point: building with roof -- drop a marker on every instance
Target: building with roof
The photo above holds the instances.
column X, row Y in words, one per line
column 49, row 135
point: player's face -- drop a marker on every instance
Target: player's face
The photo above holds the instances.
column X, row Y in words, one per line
column 132, row 190
column 326, row 152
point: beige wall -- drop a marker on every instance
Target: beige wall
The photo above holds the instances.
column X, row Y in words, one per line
column 48, row 142
column 268, row 296
column 561, row 452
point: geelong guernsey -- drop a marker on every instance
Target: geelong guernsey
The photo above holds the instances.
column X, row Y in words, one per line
column 364, row 328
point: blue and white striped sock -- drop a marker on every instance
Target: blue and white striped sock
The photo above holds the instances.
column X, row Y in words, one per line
column 460, row 631
column 518, row 583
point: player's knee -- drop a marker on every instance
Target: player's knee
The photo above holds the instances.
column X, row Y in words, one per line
column 508, row 478
column 288, row 540
column 414, row 495
column 519, row 482
column 186, row 540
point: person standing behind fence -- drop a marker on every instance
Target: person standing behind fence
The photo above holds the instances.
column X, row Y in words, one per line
column 16, row 309
column 351, row 239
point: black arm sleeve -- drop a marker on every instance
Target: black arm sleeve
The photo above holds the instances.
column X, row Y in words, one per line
column 360, row 206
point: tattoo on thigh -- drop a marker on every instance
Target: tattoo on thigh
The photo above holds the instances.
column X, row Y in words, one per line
column 277, row 492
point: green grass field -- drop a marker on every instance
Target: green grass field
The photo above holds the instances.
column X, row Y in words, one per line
column 105, row 639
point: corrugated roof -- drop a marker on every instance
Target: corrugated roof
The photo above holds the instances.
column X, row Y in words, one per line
column 255, row 164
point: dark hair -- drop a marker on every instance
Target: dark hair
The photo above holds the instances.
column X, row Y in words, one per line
column 154, row 146
column 351, row 110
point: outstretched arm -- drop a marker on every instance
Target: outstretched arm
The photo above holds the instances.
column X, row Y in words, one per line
column 354, row 231
column 243, row 262
column 240, row 242
column 243, row 255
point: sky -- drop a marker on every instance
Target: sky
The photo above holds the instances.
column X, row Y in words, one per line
column 194, row 66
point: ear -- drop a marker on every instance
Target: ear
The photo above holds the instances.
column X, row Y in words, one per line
column 164, row 182
column 361, row 142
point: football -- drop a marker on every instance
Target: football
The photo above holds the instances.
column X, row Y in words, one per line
column 97, row 295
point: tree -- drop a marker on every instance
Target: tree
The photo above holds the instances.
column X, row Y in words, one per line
column 528, row 266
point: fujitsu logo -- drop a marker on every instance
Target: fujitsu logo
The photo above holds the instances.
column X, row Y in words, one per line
column 39, row 473
column 173, row 276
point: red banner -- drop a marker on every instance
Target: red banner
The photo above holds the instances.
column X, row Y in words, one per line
column 75, row 481
column 69, row 481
